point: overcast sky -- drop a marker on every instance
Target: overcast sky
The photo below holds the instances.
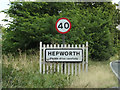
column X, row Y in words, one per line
column 4, row 5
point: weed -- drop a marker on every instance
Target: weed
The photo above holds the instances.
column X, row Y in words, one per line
column 22, row 71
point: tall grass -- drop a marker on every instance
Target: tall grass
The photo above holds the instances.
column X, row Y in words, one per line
column 0, row 63
column 23, row 71
column 99, row 76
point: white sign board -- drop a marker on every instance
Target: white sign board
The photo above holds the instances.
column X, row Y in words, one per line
column 63, row 55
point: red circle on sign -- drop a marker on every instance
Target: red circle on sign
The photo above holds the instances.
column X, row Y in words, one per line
column 57, row 27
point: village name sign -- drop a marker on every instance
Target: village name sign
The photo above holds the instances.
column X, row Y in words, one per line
column 63, row 55
column 63, row 25
column 63, row 58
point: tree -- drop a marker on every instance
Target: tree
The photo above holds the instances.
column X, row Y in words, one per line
column 35, row 22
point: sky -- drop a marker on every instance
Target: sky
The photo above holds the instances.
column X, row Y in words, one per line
column 4, row 5
column 115, row 1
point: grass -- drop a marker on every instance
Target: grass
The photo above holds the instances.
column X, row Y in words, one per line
column 100, row 75
column 0, row 63
column 23, row 71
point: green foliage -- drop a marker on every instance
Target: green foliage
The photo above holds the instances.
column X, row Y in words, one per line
column 22, row 71
column 13, row 78
column 35, row 22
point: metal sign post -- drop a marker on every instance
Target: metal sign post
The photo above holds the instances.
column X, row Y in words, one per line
column 63, row 25
column 63, row 39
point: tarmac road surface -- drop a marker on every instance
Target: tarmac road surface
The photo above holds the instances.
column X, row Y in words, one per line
column 115, row 66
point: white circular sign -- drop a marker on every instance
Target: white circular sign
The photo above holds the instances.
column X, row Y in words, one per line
column 63, row 25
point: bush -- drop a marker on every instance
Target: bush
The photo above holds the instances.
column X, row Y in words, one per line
column 92, row 22
column 13, row 78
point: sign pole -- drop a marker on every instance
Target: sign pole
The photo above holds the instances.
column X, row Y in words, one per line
column 63, row 25
column 63, row 39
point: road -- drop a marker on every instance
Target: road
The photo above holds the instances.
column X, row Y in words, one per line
column 115, row 66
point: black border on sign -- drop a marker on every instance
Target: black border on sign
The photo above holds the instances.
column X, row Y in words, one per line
column 64, row 49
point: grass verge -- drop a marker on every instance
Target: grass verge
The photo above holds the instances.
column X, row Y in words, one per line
column 23, row 72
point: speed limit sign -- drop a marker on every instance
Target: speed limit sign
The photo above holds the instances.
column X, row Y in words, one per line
column 63, row 25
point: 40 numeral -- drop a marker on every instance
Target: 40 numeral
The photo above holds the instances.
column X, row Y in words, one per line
column 65, row 25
